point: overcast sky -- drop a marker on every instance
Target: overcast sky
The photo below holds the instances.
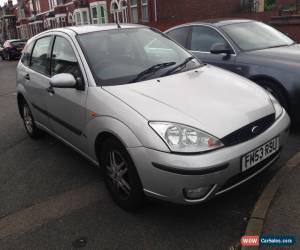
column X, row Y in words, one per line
column 5, row 1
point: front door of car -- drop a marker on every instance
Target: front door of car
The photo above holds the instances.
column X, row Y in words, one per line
column 66, row 106
column 201, row 41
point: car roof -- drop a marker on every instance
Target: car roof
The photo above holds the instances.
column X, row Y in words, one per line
column 82, row 29
column 100, row 27
column 218, row 22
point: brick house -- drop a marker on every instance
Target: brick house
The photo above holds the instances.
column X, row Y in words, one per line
column 7, row 21
column 37, row 15
column 34, row 16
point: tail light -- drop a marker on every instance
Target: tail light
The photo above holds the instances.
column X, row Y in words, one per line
column 8, row 45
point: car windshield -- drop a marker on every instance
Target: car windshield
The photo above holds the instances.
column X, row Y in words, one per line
column 256, row 35
column 124, row 56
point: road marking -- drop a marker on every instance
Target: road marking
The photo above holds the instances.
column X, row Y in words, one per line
column 44, row 212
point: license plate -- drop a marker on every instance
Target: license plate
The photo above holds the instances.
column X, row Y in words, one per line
column 261, row 153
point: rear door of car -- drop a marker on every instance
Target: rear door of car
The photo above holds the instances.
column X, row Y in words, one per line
column 66, row 106
column 33, row 72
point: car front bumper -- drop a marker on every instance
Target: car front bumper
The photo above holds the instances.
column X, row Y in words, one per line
column 166, row 175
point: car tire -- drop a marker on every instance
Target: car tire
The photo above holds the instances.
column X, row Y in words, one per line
column 120, row 175
column 276, row 91
column 9, row 58
column 29, row 123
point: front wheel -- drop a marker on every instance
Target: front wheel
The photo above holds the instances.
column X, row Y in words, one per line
column 121, row 177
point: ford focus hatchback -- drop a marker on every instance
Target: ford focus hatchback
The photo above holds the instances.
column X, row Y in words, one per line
column 158, row 121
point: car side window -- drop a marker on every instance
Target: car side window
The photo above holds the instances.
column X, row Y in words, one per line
column 180, row 35
column 27, row 54
column 204, row 37
column 39, row 58
column 63, row 58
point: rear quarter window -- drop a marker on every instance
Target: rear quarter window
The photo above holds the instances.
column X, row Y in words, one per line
column 26, row 56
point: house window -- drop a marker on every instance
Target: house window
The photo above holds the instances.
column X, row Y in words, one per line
column 52, row 4
column 70, row 19
column 31, row 5
column 82, row 16
column 78, row 18
column 99, row 12
column 134, row 11
column 145, row 14
column 38, row 6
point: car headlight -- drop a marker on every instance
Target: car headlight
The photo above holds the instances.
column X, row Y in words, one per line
column 184, row 139
column 277, row 106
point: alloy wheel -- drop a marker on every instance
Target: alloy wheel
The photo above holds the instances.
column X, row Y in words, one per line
column 28, row 121
column 117, row 171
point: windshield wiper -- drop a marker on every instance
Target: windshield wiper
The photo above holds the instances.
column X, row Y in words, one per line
column 152, row 69
column 179, row 66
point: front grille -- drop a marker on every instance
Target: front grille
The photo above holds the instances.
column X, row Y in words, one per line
column 244, row 175
column 248, row 132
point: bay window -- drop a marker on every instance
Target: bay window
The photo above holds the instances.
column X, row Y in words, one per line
column 81, row 16
column 98, row 12
column 134, row 11
column 145, row 14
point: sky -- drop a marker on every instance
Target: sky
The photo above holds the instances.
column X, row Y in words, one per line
column 4, row 1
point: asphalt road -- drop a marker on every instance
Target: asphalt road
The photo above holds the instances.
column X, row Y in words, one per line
column 52, row 198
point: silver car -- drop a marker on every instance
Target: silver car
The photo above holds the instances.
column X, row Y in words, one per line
column 159, row 122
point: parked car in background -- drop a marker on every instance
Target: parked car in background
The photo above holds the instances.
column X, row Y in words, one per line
column 12, row 49
column 1, row 51
column 147, row 111
column 251, row 49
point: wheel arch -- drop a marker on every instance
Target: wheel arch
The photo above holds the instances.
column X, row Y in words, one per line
column 100, row 128
column 20, row 99
column 260, row 78
column 99, row 143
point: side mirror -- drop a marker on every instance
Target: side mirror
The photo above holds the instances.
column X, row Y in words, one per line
column 220, row 48
column 63, row 80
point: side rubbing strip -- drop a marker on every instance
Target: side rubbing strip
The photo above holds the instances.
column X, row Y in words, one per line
column 189, row 171
column 58, row 120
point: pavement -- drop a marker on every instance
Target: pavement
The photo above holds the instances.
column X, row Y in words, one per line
column 52, row 198
column 277, row 210
column 283, row 217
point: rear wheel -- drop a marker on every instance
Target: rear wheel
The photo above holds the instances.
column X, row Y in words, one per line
column 121, row 177
column 29, row 123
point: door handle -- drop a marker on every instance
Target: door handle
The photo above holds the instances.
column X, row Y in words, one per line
column 51, row 90
column 27, row 77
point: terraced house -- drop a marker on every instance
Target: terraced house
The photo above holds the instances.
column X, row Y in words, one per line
column 34, row 16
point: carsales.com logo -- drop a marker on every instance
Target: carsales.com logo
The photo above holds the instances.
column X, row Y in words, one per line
column 267, row 240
